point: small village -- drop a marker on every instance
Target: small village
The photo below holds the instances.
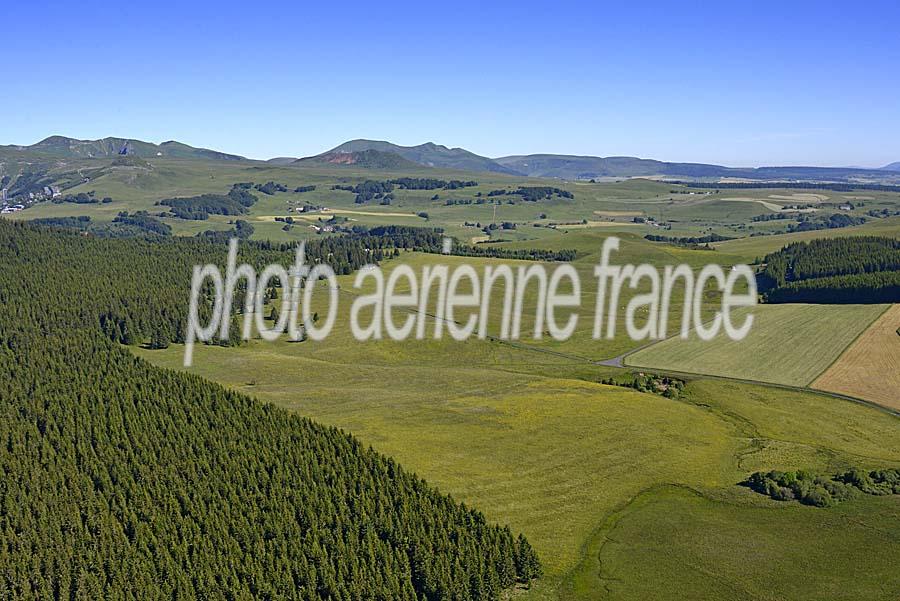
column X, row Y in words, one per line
column 13, row 204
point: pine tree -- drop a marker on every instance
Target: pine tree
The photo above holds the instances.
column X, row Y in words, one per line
column 159, row 339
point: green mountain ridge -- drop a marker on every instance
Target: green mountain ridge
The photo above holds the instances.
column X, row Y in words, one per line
column 429, row 155
column 64, row 147
column 368, row 159
column 379, row 154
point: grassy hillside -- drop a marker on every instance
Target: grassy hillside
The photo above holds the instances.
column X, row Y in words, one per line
column 526, row 437
column 531, row 437
column 70, row 148
column 707, row 548
column 429, row 155
column 365, row 159
column 587, row 167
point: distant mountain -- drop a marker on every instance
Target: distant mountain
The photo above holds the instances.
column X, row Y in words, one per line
column 281, row 161
column 892, row 167
column 429, row 154
column 366, row 159
column 587, row 167
column 63, row 147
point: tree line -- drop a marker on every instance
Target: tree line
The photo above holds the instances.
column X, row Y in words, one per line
column 687, row 240
column 822, row 490
column 805, row 223
column 236, row 202
column 855, row 269
column 534, row 193
column 124, row 225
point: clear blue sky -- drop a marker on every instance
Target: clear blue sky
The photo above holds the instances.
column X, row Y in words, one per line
column 747, row 83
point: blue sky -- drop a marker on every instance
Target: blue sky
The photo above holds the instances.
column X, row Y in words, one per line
column 733, row 83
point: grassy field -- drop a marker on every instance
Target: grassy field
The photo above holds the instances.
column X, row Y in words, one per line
column 530, row 438
column 870, row 368
column 702, row 547
column 680, row 542
column 788, row 344
column 525, row 438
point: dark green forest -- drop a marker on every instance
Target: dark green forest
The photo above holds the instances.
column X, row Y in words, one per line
column 125, row 481
column 235, row 202
column 857, row 269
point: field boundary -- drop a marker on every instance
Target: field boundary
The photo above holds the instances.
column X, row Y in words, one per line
column 846, row 397
column 852, row 342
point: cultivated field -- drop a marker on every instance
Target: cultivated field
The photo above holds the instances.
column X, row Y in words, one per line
column 870, row 367
column 788, row 344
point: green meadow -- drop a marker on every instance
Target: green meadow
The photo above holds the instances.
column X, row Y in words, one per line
column 589, row 472
column 531, row 440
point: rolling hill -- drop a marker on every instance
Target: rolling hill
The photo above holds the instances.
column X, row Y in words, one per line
column 428, row 154
column 281, row 160
column 368, row 159
column 892, row 167
column 586, row 167
column 63, row 147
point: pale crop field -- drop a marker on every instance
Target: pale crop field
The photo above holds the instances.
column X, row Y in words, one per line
column 870, row 368
column 788, row 344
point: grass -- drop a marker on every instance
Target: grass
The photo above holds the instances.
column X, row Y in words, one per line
column 681, row 544
column 531, row 439
column 520, row 436
column 788, row 344
column 870, row 368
